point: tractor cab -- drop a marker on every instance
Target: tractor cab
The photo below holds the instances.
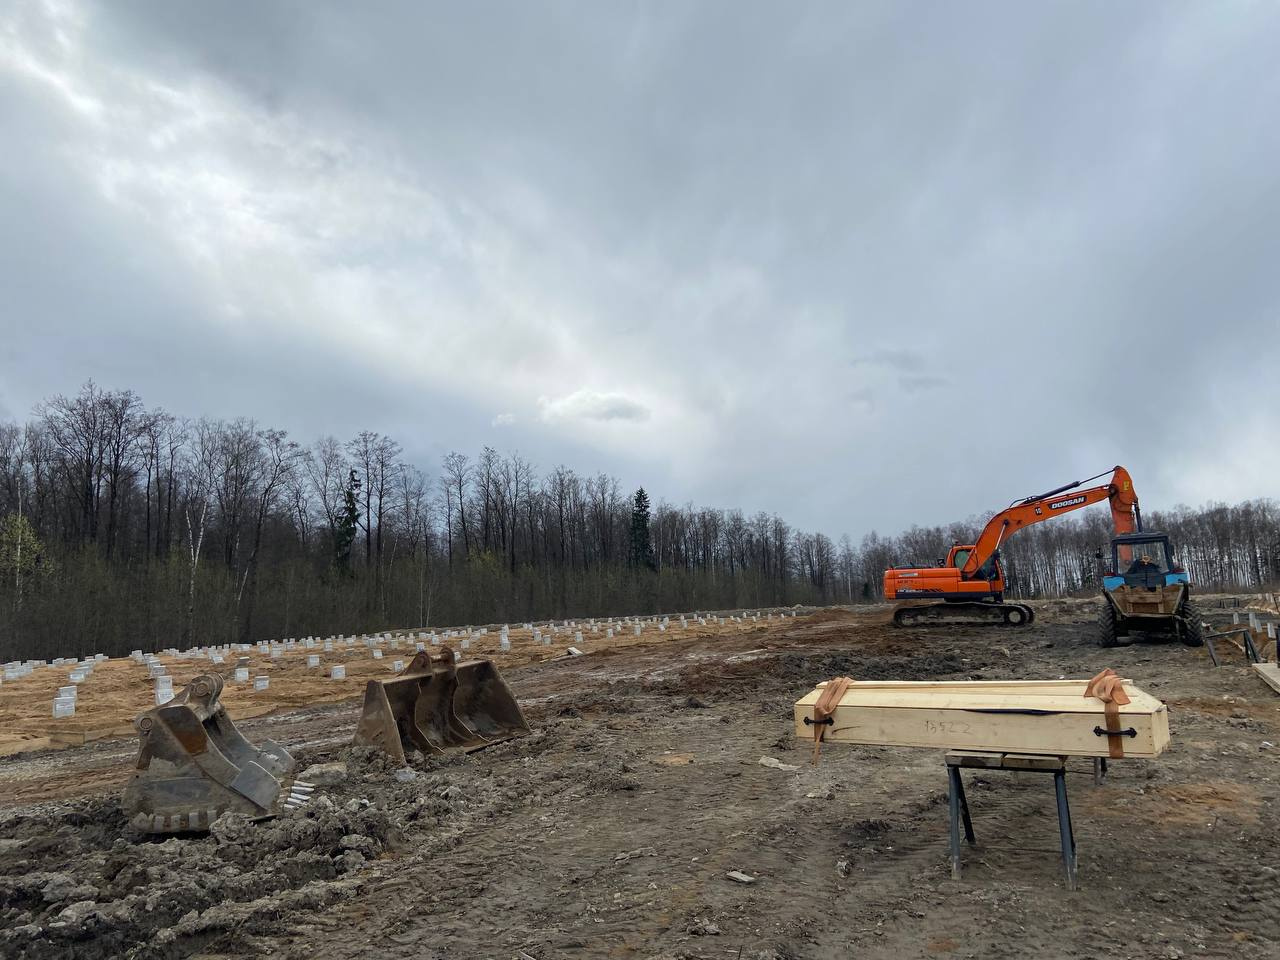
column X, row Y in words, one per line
column 1146, row 590
column 1143, row 560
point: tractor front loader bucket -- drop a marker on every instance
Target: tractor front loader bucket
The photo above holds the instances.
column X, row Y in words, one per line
column 194, row 765
column 435, row 705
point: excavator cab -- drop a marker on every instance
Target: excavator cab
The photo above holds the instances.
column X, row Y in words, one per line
column 1146, row 590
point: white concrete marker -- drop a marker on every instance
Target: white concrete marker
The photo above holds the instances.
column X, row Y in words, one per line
column 338, row 673
column 164, row 690
column 313, row 660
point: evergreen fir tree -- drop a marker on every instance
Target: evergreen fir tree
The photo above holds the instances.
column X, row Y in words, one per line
column 348, row 521
column 641, row 545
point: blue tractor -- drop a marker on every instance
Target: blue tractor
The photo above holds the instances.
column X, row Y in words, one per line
column 1145, row 590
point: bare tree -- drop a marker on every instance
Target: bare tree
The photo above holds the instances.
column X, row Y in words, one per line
column 200, row 480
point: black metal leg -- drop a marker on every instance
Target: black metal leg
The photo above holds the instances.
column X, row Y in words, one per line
column 1064, row 828
column 964, row 807
column 1099, row 770
column 953, row 776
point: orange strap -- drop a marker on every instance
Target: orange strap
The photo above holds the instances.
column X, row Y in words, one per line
column 825, row 708
column 1109, row 688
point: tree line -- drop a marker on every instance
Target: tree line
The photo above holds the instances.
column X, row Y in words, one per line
column 123, row 526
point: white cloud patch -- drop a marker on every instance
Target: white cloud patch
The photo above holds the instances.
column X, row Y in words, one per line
column 587, row 404
column 503, row 420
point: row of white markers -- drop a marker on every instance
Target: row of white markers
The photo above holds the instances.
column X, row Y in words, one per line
column 64, row 704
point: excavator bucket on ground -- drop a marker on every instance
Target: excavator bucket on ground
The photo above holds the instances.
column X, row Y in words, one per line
column 194, row 765
column 436, row 704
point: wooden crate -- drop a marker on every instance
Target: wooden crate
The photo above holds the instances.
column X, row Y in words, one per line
column 1043, row 717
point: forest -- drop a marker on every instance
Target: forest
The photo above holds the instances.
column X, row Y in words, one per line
column 124, row 527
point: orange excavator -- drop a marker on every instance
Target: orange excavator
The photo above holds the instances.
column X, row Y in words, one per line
column 968, row 587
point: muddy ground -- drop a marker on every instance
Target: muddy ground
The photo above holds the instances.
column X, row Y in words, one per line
column 610, row 831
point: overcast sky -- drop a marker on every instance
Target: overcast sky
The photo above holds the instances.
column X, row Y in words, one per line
column 862, row 264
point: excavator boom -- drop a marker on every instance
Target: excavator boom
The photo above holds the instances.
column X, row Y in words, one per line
column 1055, row 503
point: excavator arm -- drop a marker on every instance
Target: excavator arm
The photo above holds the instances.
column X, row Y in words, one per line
column 1125, row 514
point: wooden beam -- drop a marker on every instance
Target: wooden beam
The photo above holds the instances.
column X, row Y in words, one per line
column 1040, row 718
column 1270, row 674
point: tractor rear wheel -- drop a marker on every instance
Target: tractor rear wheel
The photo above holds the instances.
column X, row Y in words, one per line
column 1106, row 635
column 1190, row 626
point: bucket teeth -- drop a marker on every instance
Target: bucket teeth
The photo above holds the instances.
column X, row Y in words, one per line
column 437, row 704
column 194, row 765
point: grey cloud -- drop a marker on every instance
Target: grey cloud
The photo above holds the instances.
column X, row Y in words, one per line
column 406, row 221
column 895, row 358
column 915, row 383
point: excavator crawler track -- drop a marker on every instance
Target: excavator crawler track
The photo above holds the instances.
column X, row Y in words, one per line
column 964, row 614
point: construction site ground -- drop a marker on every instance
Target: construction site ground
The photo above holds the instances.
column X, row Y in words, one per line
column 612, row 829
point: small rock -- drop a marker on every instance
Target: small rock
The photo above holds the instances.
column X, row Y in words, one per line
column 351, row 860
column 820, row 795
column 355, row 804
column 693, row 703
column 740, row 877
column 1160, row 896
column 843, row 867
column 78, row 912
column 776, row 764
column 633, row 854
column 1266, row 745
column 405, row 775
column 324, row 774
column 231, row 828
column 63, row 888
column 702, row 928
column 365, row 846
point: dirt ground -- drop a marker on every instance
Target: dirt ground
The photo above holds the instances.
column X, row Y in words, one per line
column 120, row 688
column 610, row 830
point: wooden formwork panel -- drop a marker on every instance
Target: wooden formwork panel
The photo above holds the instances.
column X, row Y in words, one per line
column 1042, row 717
